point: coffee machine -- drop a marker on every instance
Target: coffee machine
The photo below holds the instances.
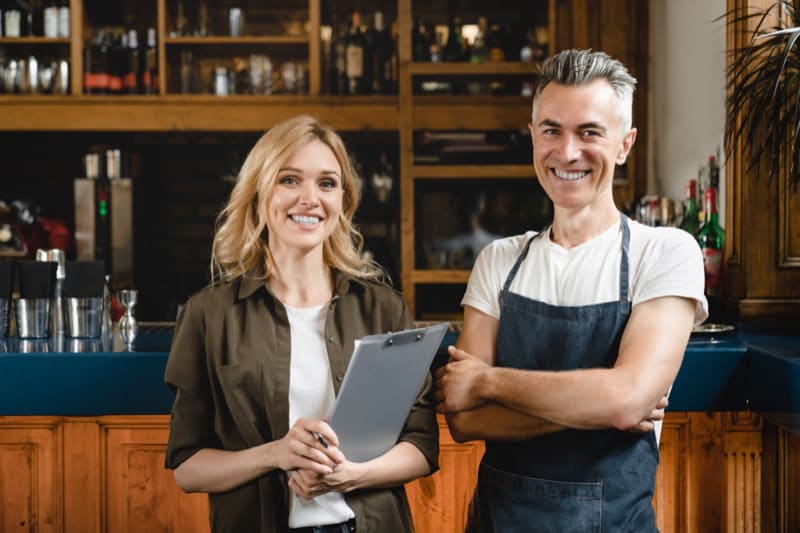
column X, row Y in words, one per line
column 104, row 216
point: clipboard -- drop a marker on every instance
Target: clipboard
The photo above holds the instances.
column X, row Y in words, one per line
column 379, row 388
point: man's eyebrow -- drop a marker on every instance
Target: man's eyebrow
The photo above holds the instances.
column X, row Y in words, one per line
column 549, row 123
column 592, row 126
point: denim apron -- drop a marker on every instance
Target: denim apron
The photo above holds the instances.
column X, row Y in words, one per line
column 570, row 480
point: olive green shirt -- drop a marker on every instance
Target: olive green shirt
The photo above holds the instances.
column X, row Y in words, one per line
column 229, row 367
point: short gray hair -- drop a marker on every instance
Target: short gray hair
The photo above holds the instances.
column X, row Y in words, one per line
column 582, row 67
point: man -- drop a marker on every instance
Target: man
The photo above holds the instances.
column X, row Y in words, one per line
column 573, row 336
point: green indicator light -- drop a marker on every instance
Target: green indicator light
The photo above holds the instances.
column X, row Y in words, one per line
column 103, row 208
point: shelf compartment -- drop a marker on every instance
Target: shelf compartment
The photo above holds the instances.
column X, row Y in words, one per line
column 471, row 171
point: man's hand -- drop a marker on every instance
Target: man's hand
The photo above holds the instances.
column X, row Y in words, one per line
column 648, row 424
column 458, row 382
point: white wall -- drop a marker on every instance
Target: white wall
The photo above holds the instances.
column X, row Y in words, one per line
column 687, row 100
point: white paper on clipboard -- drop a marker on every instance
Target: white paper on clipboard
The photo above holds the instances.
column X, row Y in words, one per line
column 379, row 389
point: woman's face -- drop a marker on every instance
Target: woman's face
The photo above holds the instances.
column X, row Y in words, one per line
column 306, row 201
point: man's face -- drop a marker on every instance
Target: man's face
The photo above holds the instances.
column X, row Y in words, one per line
column 578, row 139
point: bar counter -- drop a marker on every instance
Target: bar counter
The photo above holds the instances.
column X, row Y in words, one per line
column 72, row 377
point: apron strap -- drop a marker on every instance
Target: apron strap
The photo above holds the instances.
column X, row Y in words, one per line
column 520, row 258
column 623, row 264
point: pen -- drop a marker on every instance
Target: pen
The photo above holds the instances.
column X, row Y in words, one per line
column 320, row 439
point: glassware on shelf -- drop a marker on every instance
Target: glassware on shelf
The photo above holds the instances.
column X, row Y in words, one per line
column 128, row 325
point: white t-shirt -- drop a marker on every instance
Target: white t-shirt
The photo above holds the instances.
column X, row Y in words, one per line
column 661, row 262
column 311, row 396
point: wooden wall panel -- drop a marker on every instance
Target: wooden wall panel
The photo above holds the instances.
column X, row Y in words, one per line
column 671, row 477
column 742, row 447
column 439, row 502
column 30, row 481
column 141, row 495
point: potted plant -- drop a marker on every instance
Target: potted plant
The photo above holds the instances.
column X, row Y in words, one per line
column 763, row 81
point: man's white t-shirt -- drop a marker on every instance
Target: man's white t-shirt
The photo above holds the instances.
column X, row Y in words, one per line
column 661, row 262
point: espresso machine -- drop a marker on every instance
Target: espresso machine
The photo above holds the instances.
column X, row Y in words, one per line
column 104, row 216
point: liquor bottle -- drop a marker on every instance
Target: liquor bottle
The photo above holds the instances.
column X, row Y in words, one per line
column 326, row 58
column 380, row 56
column 132, row 81
column 713, row 172
column 339, row 60
column 454, row 47
column 419, row 43
column 12, row 19
column 95, row 64
column 354, row 56
column 150, row 74
column 691, row 220
column 51, row 19
column 63, row 18
column 117, row 62
column 711, row 238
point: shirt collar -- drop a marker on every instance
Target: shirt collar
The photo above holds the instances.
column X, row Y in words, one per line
column 250, row 283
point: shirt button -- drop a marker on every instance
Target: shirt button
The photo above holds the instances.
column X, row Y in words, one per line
column 331, row 339
column 339, row 377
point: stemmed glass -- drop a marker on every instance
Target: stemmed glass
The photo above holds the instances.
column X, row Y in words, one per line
column 128, row 326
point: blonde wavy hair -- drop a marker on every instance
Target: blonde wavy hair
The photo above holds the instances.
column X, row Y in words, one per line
column 240, row 246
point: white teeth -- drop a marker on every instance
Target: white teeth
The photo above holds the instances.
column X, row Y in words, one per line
column 305, row 220
column 571, row 176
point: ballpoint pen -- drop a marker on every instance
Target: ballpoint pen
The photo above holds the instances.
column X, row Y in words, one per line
column 320, row 439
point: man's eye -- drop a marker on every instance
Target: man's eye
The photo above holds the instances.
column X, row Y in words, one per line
column 591, row 133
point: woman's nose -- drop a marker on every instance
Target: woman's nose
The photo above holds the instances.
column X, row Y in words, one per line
column 308, row 195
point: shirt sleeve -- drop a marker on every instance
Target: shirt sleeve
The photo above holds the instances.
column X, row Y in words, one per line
column 673, row 266
column 489, row 272
column 191, row 420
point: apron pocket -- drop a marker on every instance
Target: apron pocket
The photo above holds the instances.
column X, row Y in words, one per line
column 512, row 503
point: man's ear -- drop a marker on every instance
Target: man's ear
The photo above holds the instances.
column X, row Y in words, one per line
column 627, row 144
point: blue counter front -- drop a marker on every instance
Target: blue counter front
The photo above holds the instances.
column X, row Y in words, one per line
column 731, row 372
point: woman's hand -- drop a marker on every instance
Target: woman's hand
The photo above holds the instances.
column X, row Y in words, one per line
column 301, row 448
column 310, row 484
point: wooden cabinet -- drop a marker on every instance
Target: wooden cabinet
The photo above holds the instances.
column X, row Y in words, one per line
column 718, row 472
column 761, row 275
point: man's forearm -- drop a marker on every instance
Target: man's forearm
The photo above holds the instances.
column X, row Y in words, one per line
column 498, row 423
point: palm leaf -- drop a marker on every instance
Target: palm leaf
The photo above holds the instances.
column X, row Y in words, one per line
column 763, row 104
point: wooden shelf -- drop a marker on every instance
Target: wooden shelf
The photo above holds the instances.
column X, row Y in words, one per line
column 504, row 68
column 237, row 41
column 439, row 276
column 34, row 40
column 471, row 171
column 190, row 112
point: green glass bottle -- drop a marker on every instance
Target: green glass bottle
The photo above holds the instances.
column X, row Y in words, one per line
column 691, row 211
column 711, row 238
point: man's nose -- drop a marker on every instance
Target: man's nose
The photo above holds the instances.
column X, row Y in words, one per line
column 569, row 148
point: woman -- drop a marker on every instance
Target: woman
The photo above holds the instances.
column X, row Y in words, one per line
column 258, row 356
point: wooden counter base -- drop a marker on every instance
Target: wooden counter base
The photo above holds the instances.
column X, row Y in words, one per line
column 719, row 472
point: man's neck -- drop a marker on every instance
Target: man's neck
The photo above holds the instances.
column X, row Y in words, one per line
column 572, row 228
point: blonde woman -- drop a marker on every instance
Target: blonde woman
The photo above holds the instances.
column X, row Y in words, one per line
column 258, row 356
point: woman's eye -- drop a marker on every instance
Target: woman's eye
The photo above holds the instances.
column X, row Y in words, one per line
column 287, row 180
column 328, row 184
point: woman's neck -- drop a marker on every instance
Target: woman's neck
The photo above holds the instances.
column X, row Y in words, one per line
column 301, row 283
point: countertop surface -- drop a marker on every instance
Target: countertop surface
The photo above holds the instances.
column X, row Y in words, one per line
column 80, row 377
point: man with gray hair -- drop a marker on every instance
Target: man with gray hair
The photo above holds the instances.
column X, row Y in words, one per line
column 572, row 336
